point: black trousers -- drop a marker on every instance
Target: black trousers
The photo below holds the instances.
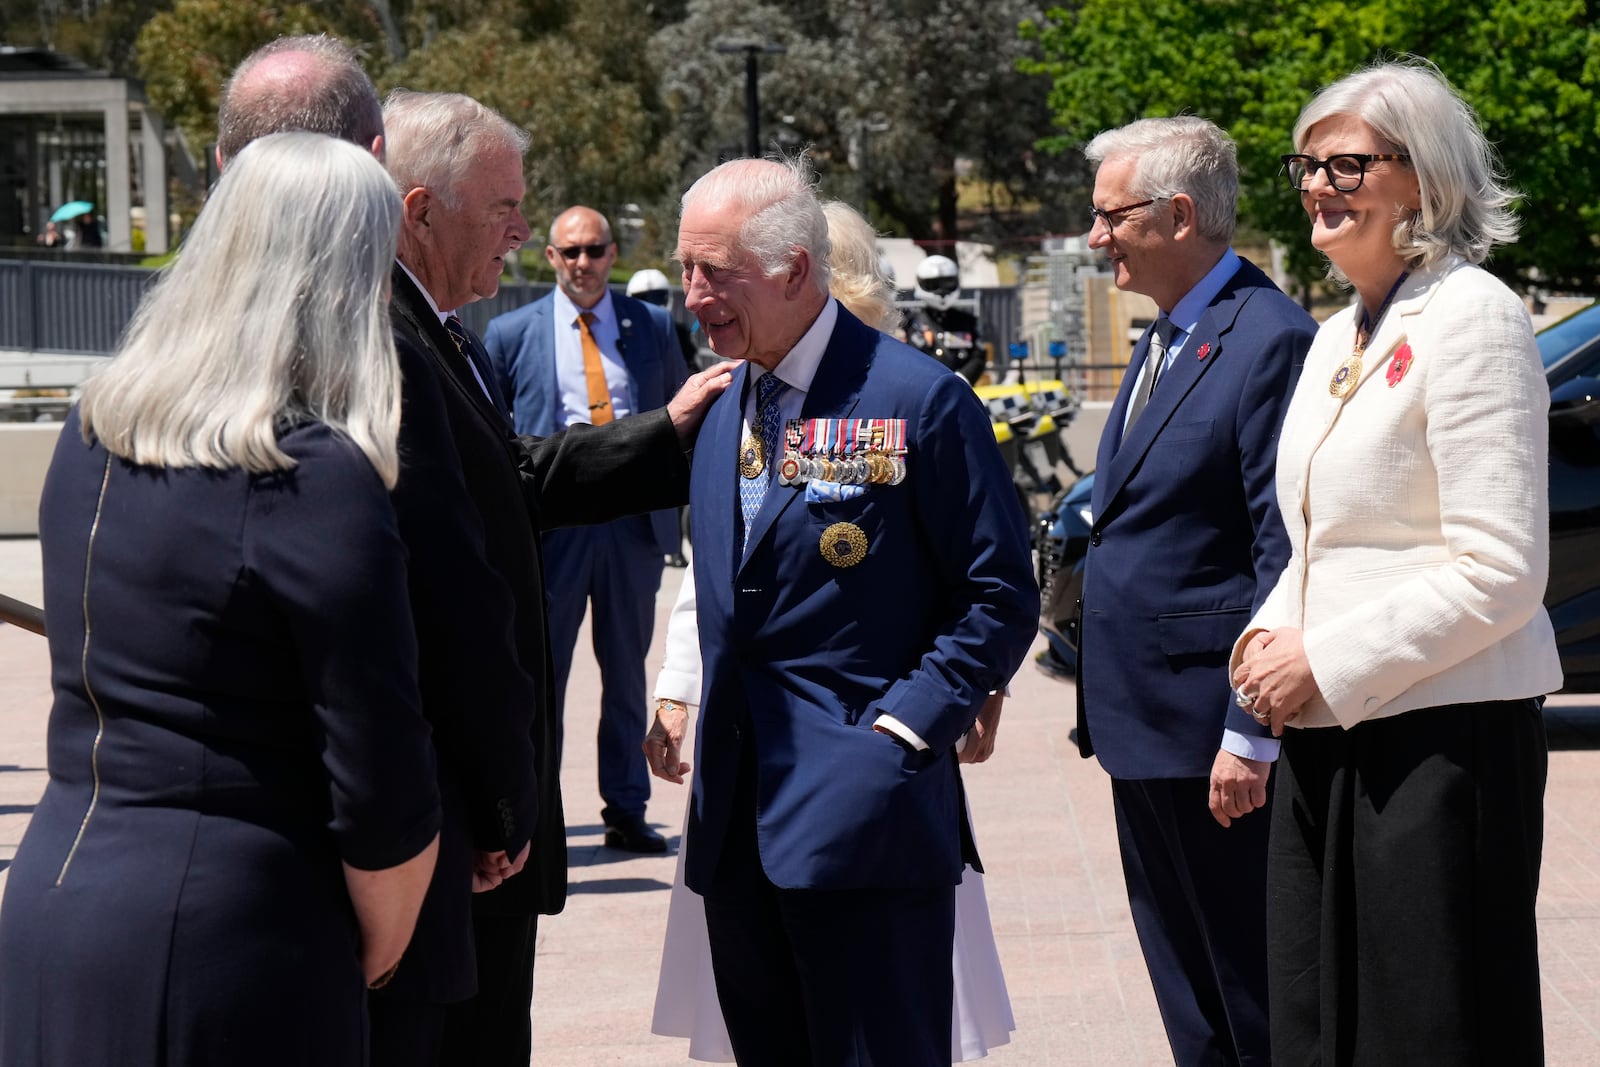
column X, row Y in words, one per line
column 1402, row 875
column 492, row 1029
column 1197, row 892
column 827, row 978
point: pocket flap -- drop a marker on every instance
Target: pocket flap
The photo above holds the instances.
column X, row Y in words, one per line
column 1193, row 633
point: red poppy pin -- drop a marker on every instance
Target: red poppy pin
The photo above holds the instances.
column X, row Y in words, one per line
column 1399, row 365
column 1203, row 351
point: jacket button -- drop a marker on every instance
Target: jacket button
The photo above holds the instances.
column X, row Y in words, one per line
column 1094, row 538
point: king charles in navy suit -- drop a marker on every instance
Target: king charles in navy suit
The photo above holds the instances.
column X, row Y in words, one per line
column 864, row 583
column 1185, row 544
column 555, row 377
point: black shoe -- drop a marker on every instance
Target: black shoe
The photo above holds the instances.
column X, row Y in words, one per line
column 677, row 560
column 634, row 835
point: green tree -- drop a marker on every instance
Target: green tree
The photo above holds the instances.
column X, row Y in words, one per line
column 887, row 96
column 1529, row 67
column 186, row 53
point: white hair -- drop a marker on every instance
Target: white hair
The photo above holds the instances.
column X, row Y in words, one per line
column 1182, row 154
column 275, row 311
column 778, row 202
column 1466, row 204
column 434, row 141
column 856, row 280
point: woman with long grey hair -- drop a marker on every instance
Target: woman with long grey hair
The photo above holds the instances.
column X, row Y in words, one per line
column 241, row 815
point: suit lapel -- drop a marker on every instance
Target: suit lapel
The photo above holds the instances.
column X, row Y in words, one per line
column 451, row 362
column 1175, row 385
column 717, row 448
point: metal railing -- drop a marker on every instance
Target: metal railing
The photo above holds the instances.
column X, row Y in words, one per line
column 25, row 615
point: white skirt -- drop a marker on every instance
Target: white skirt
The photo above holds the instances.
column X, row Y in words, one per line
column 686, row 993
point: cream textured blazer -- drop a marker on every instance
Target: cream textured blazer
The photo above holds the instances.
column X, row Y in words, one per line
column 1417, row 507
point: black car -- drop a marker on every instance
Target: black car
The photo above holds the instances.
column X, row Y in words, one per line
column 1570, row 351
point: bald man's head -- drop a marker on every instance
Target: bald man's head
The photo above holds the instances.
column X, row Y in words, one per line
column 313, row 83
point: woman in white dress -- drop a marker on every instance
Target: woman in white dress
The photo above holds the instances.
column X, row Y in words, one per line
column 686, row 998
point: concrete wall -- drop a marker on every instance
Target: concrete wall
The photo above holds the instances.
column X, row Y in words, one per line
column 25, row 450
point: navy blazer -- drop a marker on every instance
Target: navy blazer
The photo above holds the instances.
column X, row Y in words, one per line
column 1186, row 540
column 805, row 655
column 521, row 347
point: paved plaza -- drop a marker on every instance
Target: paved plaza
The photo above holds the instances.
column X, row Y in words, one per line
column 1043, row 819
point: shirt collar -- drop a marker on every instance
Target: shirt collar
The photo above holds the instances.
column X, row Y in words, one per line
column 423, row 289
column 799, row 366
column 1185, row 315
column 567, row 312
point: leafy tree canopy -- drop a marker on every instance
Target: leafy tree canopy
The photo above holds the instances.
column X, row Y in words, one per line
column 1529, row 67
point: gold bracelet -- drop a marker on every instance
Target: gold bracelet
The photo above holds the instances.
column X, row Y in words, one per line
column 663, row 703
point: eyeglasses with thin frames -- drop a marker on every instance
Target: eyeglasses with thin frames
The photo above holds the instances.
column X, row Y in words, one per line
column 1346, row 170
column 572, row 252
column 1112, row 216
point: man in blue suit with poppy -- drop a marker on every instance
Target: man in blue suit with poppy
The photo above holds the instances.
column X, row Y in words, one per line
column 863, row 580
column 584, row 355
column 1185, row 544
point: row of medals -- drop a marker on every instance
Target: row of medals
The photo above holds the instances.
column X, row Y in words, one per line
column 875, row 466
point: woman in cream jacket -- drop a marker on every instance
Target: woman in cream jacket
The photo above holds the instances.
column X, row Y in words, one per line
column 1405, row 646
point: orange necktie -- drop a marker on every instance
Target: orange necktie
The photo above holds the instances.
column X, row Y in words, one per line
column 594, row 374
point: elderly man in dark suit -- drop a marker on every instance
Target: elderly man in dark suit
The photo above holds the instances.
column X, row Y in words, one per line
column 864, row 583
column 1185, row 544
column 584, row 355
column 459, row 224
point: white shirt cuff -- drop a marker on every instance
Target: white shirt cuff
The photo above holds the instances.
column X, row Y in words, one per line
column 900, row 730
column 1264, row 749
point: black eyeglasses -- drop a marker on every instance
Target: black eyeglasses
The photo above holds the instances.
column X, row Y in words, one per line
column 1112, row 216
column 1346, row 171
column 572, row 252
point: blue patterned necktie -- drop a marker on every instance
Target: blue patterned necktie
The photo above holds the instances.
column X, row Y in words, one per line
column 753, row 490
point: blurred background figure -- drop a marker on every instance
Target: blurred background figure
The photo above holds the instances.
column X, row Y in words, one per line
column 51, row 236
column 241, row 817
column 942, row 324
column 583, row 355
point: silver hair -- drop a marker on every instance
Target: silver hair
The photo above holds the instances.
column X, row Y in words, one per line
column 275, row 311
column 778, row 201
column 434, row 140
column 330, row 94
column 1466, row 203
column 856, row 281
column 1182, row 154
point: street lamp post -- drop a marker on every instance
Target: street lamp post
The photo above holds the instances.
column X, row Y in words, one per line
column 752, row 99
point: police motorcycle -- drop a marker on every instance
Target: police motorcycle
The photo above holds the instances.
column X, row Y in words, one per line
column 1062, row 538
column 943, row 323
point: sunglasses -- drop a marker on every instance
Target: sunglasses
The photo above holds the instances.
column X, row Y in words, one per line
column 572, row 252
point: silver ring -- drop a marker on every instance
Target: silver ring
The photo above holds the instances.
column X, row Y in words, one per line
column 1260, row 716
column 1243, row 699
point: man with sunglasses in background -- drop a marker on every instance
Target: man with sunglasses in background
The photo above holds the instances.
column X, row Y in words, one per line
column 586, row 355
column 1185, row 543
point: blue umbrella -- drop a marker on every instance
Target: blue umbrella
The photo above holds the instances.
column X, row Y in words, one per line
column 71, row 210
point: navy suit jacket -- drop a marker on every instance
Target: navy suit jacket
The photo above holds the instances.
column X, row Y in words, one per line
column 801, row 656
column 1187, row 540
column 521, row 347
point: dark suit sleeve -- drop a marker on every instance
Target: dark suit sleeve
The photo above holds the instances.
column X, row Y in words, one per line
column 475, row 693
column 589, row 474
column 972, row 524
column 1259, row 416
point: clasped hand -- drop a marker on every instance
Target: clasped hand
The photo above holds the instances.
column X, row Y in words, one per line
column 1274, row 675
